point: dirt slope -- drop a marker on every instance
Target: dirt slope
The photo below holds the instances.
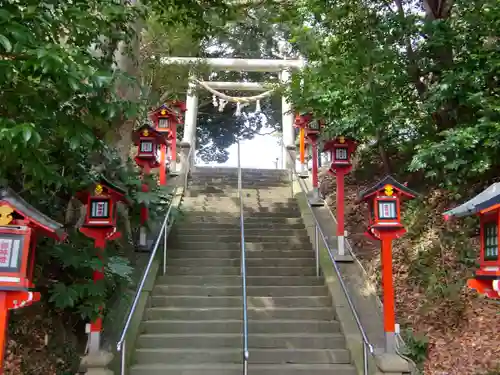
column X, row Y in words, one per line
column 431, row 265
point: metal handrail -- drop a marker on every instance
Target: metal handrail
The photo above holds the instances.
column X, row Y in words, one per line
column 166, row 225
column 243, row 269
column 367, row 347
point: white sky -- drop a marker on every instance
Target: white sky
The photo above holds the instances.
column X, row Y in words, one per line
column 260, row 152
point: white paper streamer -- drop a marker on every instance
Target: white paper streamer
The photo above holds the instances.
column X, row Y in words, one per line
column 257, row 107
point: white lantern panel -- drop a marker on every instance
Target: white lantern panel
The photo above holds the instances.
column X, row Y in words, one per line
column 387, row 210
column 314, row 125
column 146, row 146
column 10, row 252
column 490, row 238
column 341, row 153
column 163, row 123
column 99, row 209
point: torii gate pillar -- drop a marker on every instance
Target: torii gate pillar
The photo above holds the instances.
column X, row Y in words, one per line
column 288, row 119
column 189, row 138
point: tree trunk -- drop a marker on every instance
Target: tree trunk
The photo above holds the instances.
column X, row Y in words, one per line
column 383, row 153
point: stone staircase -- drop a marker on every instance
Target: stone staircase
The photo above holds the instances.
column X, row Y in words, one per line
column 194, row 324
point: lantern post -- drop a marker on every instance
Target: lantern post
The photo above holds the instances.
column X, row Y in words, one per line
column 20, row 225
column 101, row 200
column 149, row 143
column 300, row 123
column 341, row 150
column 165, row 119
column 485, row 205
column 384, row 200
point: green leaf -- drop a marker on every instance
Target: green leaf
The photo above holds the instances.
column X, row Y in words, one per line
column 5, row 43
column 27, row 134
column 63, row 296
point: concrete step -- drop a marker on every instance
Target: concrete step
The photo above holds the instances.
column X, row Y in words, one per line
column 220, row 313
column 250, row 246
column 326, row 340
column 213, row 187
column 251, row 271
column 226, row 326
column 236, row 253
column 235, row 290
column 235, row 301
column 278, row 192
column 236, row 369
column 220, row 212
column 231, row 281
column 235, row 231
column 250, row 262
column 250, row 222
column 234, row 225
column 247, row 180
column 227, row 355
column 299, row 237
column 251, row 204
column 211, row 170
column 249, row 198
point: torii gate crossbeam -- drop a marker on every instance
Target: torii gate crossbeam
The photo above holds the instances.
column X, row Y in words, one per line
column 238, row 65
column 285, row 67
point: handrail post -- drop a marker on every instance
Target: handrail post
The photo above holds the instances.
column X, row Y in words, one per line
column 165, row 234
column 123, row 356
column 316, row 248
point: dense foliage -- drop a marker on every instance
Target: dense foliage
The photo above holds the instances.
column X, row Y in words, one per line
column 419, row 79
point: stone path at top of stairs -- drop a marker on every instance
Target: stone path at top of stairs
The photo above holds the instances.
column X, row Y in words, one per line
column 194, row 324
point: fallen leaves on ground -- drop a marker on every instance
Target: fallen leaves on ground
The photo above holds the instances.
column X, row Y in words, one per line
column 463, row 331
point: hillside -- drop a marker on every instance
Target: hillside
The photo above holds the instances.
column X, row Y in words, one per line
column 449, row 328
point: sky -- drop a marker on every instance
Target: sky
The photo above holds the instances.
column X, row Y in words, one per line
column 260, row 152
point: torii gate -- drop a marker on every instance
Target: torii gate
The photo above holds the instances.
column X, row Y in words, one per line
column 284, row 67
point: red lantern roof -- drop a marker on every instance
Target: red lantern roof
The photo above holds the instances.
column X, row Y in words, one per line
column 147, row 130
column 36, row 219
column 388, row 183
column 349, row 142
column 117, row 193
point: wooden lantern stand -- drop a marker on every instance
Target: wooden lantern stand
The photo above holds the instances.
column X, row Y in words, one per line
column 341, row 150
column 384, row 201
column 148, row 142
column 100, row 225
column 486, row 205
column 20, row 224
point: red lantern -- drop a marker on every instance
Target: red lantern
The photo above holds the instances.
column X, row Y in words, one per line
column 100, row 224
column 341, row 150
column 20, row 223
column 312, row 126
column 384, row 200
column 165, row 118
column 100, row 220
column 486, row 205
column 385, row 225
column 311, row 129
column 148, row 142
